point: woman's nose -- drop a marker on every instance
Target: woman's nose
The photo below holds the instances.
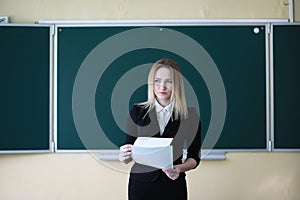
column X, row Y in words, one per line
column 162, row 85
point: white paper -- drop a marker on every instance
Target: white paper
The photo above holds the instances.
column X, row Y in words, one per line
column 154, row 152
column 152, row 142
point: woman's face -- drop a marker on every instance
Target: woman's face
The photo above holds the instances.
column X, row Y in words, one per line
column 163, row 85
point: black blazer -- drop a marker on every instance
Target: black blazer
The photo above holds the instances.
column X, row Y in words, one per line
column 186, row 132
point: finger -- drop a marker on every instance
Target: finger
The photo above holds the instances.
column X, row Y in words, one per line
column 128, row 145
column 168, row 169
column 168, row 173
column 127, row 154
column 172, row 174
column 123, row 148
column 126, row 148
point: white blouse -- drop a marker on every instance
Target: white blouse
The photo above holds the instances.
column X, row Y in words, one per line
column 163, row 115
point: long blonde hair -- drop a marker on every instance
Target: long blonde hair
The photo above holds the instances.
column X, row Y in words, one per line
column 178, row 93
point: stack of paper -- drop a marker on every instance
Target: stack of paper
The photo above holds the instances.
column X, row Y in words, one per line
column 154, row 152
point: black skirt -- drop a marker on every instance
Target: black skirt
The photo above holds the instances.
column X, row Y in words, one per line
column 162, row 188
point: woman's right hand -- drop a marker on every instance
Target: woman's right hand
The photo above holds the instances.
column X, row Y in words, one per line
column 125, row 153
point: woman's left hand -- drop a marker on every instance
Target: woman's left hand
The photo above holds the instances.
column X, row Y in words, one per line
column 172, row 173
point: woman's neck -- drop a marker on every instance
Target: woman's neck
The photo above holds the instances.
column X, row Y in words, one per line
column 163, row 103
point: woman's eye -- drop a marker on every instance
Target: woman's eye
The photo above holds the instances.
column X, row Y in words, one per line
column 156, row 81
column 169, row 81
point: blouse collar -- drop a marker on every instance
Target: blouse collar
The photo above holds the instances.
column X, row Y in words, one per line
column 160, row 108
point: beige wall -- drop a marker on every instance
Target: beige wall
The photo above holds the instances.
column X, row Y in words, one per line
column 73, row 176
column 35, row 10
column 242, row 176
column 297, row 10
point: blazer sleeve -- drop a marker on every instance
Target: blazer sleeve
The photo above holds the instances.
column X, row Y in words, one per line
column 194, row 137
column 131, row 130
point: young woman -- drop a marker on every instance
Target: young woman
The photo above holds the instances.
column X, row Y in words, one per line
column 164, row 114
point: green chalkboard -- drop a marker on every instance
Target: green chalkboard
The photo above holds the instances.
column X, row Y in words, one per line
column 25, row 88
column 224, row 65
column 286, row 48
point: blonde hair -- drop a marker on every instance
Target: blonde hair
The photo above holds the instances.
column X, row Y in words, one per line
column 178, row 93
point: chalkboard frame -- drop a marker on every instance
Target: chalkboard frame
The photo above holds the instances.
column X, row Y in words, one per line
column 108, row 23
column 272, row 89
column 50, row 148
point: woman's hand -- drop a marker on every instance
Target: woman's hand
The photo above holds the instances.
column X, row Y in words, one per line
column 172, row 173
column 125, row 153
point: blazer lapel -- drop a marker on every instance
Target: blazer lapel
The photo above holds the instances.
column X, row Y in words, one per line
column 171, row 127
column 151, row 128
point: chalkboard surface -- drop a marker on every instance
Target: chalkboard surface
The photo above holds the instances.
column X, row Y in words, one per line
column 237, row 51
column 286, row 44
column 25, row 88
